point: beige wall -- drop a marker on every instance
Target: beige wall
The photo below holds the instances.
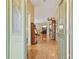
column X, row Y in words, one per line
column 30, row 9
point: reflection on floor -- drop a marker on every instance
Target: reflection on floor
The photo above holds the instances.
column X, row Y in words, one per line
column 43, row 50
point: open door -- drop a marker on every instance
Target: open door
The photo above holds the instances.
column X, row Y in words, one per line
column 62, row 30
column 16, row 29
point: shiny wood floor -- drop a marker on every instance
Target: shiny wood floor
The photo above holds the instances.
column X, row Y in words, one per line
column 43, row 50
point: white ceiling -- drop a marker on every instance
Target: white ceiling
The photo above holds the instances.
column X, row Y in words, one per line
column 44, row 9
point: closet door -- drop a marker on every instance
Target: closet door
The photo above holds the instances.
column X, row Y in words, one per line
column 16, row 19
column 62, row 30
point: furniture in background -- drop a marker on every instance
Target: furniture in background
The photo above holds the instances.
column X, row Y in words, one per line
column 33, row 34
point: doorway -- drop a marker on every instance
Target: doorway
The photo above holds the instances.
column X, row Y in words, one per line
column 46, row 22
column 48, row 29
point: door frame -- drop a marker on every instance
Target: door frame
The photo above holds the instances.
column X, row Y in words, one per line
column 69, row 27
column 29, row 27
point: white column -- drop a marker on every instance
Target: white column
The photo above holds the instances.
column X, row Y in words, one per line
column 29, row 29
column 47, row 30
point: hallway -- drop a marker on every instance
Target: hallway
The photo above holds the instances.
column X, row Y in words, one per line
column 38, row 29
column 44, row 50
column 46, row 22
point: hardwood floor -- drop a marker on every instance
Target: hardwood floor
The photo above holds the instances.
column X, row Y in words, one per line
column 43, row 50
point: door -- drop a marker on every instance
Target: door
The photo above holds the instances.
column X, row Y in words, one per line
column 62, row 30
column 16, row 20
column 54, row 29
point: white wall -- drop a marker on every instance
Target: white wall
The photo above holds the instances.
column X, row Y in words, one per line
column 40, row 20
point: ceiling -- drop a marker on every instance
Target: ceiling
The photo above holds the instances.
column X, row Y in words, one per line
column 44, row 9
